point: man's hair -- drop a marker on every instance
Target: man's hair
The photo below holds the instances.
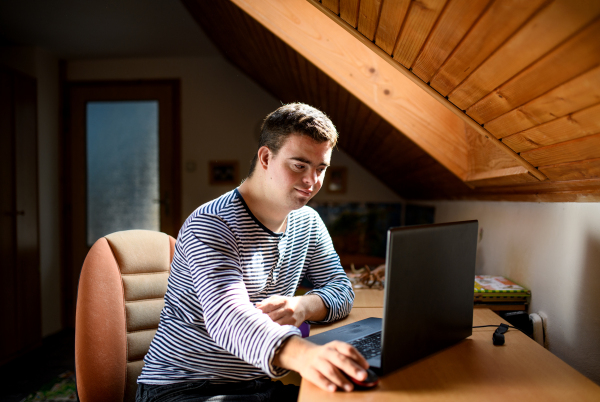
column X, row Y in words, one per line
column 294, row 118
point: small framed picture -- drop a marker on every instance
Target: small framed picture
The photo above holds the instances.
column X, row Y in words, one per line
column 335, row 179
column 223, row 172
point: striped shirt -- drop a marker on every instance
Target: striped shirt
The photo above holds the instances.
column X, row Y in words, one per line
column 225, row 262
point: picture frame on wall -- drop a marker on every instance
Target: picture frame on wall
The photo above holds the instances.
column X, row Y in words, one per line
column 336, row 178
column 223, row 173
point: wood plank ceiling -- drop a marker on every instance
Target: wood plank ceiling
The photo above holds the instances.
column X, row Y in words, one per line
column 512, row 87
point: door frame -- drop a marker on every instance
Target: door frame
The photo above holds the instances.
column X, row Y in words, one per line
column 74, row 228
column 20, row 221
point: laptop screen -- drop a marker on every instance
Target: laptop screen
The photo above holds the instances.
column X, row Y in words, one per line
column 428, row 290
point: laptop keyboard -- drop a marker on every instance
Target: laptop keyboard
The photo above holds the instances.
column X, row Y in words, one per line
column 369, row 345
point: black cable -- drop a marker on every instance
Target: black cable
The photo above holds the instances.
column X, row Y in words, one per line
column 496, row 326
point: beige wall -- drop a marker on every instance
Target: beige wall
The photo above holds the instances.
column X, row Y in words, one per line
column 43, row 66
column 554, row 250
column 221, row 113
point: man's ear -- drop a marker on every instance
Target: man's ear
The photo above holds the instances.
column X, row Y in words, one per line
column 264, row 156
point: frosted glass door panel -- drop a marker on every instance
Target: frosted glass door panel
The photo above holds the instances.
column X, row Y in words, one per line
column 122, row 167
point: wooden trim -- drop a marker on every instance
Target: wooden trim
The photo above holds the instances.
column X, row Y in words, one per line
column 570, row 127
column 455, row 110
column 65, row 216
column 579, row 170
column 77, row 93
column 20, row 274
column 517, row 170
column 591, row 185
column 568, row 151
column 173, row 149
column 546, row 191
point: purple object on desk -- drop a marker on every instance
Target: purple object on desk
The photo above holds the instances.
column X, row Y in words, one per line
column 305, row 329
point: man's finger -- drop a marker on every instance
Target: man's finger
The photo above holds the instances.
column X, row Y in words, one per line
column 272, row 300
column 348, row 365
column 322, row 382
column 352, row 353
column 285, row 321
column 270, row 306
column 279, row 314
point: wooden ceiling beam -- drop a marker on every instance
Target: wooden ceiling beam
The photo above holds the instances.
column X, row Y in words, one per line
column 433, row 98
column 375, row 81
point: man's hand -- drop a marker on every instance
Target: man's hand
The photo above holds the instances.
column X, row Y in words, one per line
column 293, row 310
column 323, row 365
column 283, row 310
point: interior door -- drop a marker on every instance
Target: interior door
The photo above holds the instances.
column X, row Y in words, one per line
column 123, row 166
column 20, row 288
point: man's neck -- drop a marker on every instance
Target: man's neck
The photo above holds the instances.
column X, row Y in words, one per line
column 262, row 207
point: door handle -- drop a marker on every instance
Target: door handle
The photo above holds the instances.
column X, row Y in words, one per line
column 165, row 202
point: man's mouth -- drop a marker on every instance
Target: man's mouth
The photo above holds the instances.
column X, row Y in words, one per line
column 305, row 192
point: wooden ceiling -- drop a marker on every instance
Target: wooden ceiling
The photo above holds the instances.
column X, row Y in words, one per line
column 445, row 99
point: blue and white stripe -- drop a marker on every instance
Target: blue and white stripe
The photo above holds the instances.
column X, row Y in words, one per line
column 225, row 262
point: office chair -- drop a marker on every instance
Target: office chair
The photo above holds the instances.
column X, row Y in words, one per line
column 120, row 297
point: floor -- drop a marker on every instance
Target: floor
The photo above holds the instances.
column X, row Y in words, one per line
column 28, row 373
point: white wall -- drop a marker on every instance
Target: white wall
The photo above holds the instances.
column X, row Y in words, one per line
column 43, row 66
column 362, row 186
column 554, row 250
column 222, row 110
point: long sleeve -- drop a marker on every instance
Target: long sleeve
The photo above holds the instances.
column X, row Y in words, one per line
column 330, row 281
column 231, row 320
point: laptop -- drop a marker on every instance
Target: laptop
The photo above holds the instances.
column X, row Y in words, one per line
column 428, row 300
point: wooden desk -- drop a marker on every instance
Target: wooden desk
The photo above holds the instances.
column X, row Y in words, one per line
column 472, row 370
column 368, row 298
column 374, row 298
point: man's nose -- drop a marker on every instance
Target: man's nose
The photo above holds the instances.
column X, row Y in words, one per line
column 311, row 176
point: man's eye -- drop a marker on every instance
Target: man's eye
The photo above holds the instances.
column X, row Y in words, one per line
column 321, row 170
column 299, row 167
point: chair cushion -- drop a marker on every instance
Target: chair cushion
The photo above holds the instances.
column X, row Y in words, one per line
column 140, row 251
column 145, row 286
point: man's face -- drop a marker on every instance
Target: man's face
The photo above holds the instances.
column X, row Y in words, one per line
column 296, row 173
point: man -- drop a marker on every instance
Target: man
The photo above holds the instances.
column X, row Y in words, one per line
column 230, row 318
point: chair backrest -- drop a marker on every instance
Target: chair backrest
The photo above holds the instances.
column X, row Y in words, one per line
column 121, row 294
